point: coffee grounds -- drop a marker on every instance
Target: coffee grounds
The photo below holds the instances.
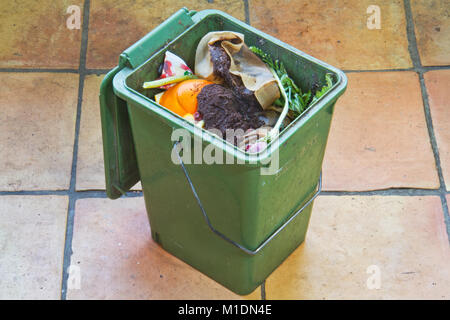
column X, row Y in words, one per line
column 221, row 110
column 221, row 67
column 231, row 105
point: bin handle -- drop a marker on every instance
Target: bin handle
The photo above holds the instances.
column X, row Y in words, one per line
column 270, row 237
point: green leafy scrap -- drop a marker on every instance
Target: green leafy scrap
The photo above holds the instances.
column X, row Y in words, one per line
column 325, row 88
column 298, row 101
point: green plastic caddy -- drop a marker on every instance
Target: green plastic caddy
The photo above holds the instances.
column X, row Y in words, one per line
column 229, row 221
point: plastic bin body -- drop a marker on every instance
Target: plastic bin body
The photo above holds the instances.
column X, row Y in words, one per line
column 240, row 202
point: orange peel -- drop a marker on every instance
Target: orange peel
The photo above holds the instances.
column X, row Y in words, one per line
column 182, row 98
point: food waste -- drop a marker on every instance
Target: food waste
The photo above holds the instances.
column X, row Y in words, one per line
column 235, row 89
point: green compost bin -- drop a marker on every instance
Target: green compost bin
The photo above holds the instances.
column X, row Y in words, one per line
column 232, row 222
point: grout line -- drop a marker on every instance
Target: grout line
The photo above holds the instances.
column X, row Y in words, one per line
column 90, row 193
column 263, row 290
column 421, row 68
column 67, row 246
column 97, row 71
column 247, row 12
column 72, row 191
column 378, row 70
column 49, row 70
column 35, row 193
column 415, row 57
column 430, row 68
column 102, row 194
column 430, row 128
column 411, row 36
column 385, row 192
column 445, row 208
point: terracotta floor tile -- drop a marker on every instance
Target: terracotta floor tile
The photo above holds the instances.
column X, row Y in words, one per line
column 32, row 240
column 353, row 240
column 90, row 166
column 432, row 29
column 118, row 259
column 37, row 127
column 90, row 169
column 437, row 83
column 378, row 137
column 336, row 32
column 114, row 26
column 35, row 35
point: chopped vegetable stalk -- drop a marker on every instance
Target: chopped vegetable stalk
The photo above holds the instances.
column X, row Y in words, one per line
column 276, row 129
column 169, row 80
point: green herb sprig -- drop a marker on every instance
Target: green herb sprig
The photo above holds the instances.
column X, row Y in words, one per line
column 325, row 88
column 298, row 101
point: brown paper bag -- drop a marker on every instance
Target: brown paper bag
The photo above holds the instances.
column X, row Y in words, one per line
column 254, row 73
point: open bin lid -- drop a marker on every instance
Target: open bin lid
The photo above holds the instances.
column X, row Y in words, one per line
column 121, row 169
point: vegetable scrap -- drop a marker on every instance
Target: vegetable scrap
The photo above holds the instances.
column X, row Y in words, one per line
column 298, row 101
column 174, row 69
column 233, row 87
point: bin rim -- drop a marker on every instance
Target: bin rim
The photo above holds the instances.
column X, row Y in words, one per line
column 127, row 93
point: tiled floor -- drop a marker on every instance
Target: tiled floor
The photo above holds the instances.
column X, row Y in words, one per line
column 380, row 229
column 90, row 170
